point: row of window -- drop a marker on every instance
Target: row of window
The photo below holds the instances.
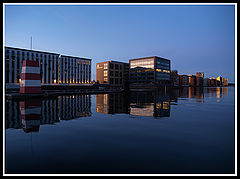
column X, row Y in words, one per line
column 50, row 68
column 112, row 66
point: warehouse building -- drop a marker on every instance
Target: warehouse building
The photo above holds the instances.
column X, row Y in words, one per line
column 54, row 68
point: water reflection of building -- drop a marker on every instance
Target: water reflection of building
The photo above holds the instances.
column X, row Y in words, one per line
column 155, row 104
column 29, row 115
column 76, row 106
column 112, row 103
column 217, row 92
column 192, row 92
column 221, row 91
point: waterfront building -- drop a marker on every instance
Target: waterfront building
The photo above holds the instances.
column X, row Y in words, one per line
column 192, row 80
column 225, row 82
column 174, row 78
column 205, row 81
column 113, row 73
column 212, row 81
column 54, row 68
column 183, row 80
column 200, row 77
column 150, row 70
column 220, row 80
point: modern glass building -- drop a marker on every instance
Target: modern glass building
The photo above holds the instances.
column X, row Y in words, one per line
column 150, row 70
column 54, row 68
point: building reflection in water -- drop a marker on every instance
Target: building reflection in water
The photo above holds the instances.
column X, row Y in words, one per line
column 155, row 103
column 29, row 115
column 138, row 104
column 192, row 92
column 112, row 103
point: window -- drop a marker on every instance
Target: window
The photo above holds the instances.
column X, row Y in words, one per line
column 111, row 80
column 105, row 80
column 105, row 73
column 111, row 66
column 111, row 73
column 105, row 66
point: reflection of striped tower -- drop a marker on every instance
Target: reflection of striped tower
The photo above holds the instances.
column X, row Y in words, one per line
column 30, row 77
column 31, row 115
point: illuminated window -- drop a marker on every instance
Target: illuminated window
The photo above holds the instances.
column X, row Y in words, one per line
column 158, row 105
column 165, row 105
column 166, row 71
column 105, row 73
column 105, row 66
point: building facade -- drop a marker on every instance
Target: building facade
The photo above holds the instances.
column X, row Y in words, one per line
column 225, row 82
column 220, row 80
column 150, row 70
column 113, row 73
column 192, row 80
column 174, row 78
column 200, row 77
column 183, row 80
column 54, row 68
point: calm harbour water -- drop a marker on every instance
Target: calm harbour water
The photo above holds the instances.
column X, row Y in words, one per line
column 164, row 132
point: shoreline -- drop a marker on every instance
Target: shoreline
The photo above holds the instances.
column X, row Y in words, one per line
column 54, row 93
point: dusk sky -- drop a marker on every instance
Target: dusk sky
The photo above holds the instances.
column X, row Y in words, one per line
column 199, row 38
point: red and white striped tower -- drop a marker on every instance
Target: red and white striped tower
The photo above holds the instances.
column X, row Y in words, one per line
column 30, row 115
column 30, row 77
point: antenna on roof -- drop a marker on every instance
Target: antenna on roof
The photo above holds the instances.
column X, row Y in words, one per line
column 31, row 43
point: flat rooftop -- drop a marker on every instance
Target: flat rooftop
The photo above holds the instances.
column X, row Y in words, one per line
column 14, row 48
column 148, row 58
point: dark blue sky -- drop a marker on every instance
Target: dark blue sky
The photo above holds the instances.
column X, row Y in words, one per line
column 194, row 37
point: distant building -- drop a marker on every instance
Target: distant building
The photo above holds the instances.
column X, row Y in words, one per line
column 183, row 80
column 174, row 78
column 150, row 70
column 200, row 77
column 205, row 81
column 192, row 80
column 212, row 82
column 113, row 73
column 220, row 80
column 225, row 82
